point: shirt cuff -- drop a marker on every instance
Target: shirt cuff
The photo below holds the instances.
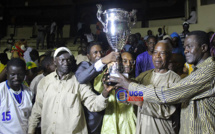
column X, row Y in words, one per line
column 99, row 65
column 31, row 130
column 133, row 86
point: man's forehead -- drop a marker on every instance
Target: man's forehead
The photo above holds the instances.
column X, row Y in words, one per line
column 161, row 45
column 14, row 68
column 191, row 38
column 127, row 56
column 96, row 48
column 64, row 55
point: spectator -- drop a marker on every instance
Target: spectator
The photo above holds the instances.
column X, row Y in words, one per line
column 176, row 64
column 149, row 33
column 184, row 32
column 47, row 67
column 212, row 45
column 34, row 55
column 82, row 53
column 177, row 44
column 60, row 30
column 160, row 34
column 40, row 36
column 144, row 60
column 132, row 40
column 140, row 41
column 3, row 59
column 53, row 29
column 31, row 72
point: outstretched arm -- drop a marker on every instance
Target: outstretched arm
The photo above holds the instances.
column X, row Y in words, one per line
column 195, row 86
column 86, row 72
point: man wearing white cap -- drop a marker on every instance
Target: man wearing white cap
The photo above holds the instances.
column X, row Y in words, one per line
column 59, row 98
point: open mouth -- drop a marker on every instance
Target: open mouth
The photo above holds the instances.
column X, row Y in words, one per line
column 16, row 82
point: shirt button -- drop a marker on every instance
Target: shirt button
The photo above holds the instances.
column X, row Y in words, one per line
column 56, row 102
column 55, row 112
column 53, row 122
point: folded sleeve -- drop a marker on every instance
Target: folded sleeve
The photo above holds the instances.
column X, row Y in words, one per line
column 93, row 102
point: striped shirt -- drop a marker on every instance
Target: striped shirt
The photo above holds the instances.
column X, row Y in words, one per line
column 196, row 92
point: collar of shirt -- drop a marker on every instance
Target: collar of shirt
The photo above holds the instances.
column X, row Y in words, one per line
column 204, row 63
column 21, row 89
column 66, row 77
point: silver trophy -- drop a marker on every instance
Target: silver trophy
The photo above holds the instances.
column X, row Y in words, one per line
column 117, row 27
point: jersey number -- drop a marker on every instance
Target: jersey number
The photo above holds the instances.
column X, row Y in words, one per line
column 6, row 116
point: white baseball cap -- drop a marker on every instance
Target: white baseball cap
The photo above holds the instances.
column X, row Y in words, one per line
column 60, row 49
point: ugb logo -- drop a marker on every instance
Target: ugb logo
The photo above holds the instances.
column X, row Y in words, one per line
column 123, row 95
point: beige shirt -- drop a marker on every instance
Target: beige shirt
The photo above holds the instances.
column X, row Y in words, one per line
column 59, row 104
column 156, row 118
column 196, row 93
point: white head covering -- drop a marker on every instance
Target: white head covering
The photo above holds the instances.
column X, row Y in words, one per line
column 60, row 49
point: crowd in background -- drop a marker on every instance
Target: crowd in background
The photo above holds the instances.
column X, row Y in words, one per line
column 69, row 94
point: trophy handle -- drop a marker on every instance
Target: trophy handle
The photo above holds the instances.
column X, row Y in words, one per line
column 134, row 16
column 99, row 12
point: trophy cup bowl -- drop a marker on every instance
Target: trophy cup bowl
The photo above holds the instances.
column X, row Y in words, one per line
column 117, row 27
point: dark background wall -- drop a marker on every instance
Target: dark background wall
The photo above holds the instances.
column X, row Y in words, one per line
column 27, row 12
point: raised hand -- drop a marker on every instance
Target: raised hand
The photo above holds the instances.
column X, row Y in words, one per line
column 111, row 57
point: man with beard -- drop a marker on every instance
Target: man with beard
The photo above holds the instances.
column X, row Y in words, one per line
column 195, row 92
column 15, row 99
column 92, row 72
column 59, row 98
